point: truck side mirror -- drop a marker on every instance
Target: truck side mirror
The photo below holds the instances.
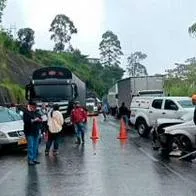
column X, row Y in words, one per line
column 27, row 92
column 75, row 91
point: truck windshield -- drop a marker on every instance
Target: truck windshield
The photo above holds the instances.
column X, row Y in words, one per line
column 186, row 103
column 53, row 92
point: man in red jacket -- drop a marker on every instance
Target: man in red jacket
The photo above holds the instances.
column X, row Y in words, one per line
column 79, row 119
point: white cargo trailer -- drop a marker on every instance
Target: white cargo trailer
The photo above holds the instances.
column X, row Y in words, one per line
column 134, row 86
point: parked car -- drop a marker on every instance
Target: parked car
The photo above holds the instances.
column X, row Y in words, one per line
column 161, row 123
column 146, row 110
column 11, row 129
column 176, row 135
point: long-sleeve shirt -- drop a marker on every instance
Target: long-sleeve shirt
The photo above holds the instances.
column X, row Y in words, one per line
column 31, row 127
column 78, row 115
column 194, row 117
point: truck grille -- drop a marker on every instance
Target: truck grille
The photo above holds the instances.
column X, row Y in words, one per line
column 63, row 106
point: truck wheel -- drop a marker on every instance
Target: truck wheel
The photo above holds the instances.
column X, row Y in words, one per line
column 142, row 128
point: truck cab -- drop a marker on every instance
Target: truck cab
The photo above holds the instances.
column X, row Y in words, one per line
column 53, row 85
column 92, row 106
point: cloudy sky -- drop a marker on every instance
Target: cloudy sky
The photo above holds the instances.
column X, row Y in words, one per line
column 158, row 28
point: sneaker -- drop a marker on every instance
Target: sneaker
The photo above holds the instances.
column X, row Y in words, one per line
column 36, row 162
column 31, row 163
column 78, row 141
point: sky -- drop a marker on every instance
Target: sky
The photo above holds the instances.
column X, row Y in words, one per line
column 158, row 28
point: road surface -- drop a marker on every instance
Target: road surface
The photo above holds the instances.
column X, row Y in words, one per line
column 108, row 168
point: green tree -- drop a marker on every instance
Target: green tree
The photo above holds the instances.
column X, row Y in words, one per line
column 134, row 67
column 26, row 40
column 8, row 41
column 2, row 6
column 181, row 79
column 192, row 30
column 110, row 49
column 62, row 29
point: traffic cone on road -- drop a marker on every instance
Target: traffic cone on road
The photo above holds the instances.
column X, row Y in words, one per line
column 123, row 130
column 95, row 130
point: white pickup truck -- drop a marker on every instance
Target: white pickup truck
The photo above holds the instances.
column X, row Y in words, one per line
column 146, row 110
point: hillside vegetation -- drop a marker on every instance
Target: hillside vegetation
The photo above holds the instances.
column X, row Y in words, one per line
column 16, row 69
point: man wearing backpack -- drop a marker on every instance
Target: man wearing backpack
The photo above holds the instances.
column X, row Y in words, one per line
column 79, row 119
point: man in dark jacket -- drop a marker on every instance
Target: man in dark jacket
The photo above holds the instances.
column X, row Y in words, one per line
column 124, row 113
column 32, row 124
column 194, row 103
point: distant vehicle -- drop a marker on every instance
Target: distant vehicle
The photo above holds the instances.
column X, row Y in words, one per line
column 92, row 106
column 146, row 110
column 56, row 85
column 138, row 86
column 11, row 129
column 112, row 96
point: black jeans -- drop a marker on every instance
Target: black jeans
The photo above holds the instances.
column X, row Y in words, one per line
column 52, row 138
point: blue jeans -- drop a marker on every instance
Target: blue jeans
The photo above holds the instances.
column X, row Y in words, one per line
column 33, row 143
column 80, row 129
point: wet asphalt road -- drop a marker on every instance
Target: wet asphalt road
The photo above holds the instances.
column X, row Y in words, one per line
column 107, row 168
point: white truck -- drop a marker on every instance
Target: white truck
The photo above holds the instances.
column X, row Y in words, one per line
column 146, row 110
column 92, row 106
column 125, row 89
column 112, row 99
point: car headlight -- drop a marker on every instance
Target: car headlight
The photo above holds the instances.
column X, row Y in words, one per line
column 2, row 135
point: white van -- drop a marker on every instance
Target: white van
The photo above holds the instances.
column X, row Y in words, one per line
column 146, row 110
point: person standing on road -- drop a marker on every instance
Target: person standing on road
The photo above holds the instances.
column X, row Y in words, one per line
column 79, row 120
column 55, row 125
column 124, row 113
column 194, row 103
column 105, row 111
column 32, row 124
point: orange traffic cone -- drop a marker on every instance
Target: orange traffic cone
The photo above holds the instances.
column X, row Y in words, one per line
column 95, row 130
column 123, row 131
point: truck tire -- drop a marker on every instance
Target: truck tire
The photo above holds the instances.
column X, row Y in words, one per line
column 142, row 128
